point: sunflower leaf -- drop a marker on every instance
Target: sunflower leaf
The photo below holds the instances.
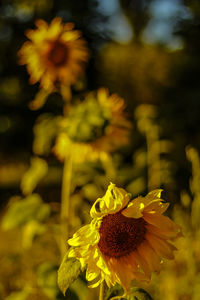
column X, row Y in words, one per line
column 68, row 272
column 139, row 294
column 114, row 291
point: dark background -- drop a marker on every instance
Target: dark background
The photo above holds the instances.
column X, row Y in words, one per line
column 147, row 51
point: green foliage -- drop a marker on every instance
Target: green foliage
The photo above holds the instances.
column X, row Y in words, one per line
column 87, row 120
column 193, row 157
column 45, row 131
column 30, row 230
column 139, row 294
column 68, row 272
column 22, row 295
column 116, row 292
column 46, row 277
column 24, row 210
column 33, row 175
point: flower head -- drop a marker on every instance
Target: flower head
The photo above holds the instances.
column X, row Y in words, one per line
column 94, row 127
column 126, row 239
column 54, row 55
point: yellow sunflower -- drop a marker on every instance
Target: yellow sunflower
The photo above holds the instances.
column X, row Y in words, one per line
column 94, row 127
column 55, row 55
column 125, row 239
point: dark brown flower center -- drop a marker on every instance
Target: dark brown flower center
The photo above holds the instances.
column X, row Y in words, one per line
column 120, row 235
column 58, row 53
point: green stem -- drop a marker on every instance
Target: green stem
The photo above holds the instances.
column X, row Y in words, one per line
column 153, row 158
column 65, row 203
column 101, row 291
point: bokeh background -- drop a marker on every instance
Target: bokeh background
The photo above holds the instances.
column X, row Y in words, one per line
column 148, row 53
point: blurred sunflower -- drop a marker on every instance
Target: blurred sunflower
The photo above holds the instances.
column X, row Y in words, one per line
column 94, row 128
column 55, row 55
column 126, row 239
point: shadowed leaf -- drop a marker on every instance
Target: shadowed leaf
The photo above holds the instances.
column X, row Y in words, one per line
column 139, row 294
column 68, row 272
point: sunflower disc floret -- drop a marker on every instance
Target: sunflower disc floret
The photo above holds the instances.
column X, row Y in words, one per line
column 126, row 239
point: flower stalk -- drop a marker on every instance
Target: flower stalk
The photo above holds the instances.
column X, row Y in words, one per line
column 65, row 203
column 101, row 291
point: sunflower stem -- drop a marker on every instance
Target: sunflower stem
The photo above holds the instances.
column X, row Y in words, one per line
column 65, row 203
column 101, row 291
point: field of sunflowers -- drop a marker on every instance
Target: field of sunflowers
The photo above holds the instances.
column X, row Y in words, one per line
column 100, row 150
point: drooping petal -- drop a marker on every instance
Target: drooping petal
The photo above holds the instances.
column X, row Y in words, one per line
column 161, row 247
column 123, row 273
column 160, row 232
column 161, row 221
column 149, row 255
column 142, row 263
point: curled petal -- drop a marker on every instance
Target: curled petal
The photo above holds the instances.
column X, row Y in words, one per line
column 113, row 201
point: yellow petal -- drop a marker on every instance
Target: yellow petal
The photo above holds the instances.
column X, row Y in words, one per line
column 161, row 247
column 92, row 271
column 102, row 265
column 157, row 206
column 154, row 194
column 142, row 263
column 160, row 232
column 85, row 235
column 149, row 256
column 162, row 222
column 123, row 273
column 134, row 209
column 113, row 201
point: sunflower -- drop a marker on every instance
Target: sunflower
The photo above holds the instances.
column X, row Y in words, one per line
column 126, row 239
column 95, row 127
column 55, row 55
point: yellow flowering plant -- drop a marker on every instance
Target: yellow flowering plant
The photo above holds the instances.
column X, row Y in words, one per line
column 55, row 56
column 125, row 240
column 93, row 128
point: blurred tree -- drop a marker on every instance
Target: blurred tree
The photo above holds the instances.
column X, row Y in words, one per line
column 180, row 107
column 137, row 12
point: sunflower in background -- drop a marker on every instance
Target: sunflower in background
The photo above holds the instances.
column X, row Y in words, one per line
column 94, row 128
column 55, row 56
column 126, row 238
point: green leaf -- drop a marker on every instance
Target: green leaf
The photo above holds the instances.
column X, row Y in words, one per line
column 30, row 231
column 135, row 294
column 80, row 288
column 45, row 131
column 47, row 279
column 22, row 295
column 33, row 175
column 21, row 211
column 114, row 291
column 139, row 294
column 68, row 272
